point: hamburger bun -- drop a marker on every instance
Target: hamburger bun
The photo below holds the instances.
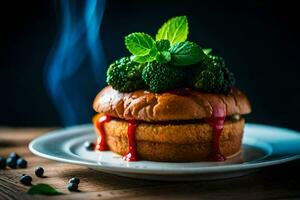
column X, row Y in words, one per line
column 157, row 107
column 174, row 142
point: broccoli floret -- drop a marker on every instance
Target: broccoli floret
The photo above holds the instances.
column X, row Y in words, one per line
column 161, row 77
column 217, row 59
column 213, row 76
column 125, row 75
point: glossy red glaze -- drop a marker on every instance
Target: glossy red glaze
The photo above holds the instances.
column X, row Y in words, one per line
column 217, row 123
column 101, row 144
column 131, row 155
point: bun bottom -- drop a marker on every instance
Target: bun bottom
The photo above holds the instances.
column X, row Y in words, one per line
column 174, row 142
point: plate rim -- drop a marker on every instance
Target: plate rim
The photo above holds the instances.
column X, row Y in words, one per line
column 163, row 171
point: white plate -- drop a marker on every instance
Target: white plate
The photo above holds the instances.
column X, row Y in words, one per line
column 262, row 146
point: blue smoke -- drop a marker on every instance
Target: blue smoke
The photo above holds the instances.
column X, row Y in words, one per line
column 75, row 68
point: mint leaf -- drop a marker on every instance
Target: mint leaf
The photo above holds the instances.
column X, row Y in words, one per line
column 139, row 44
column 147, row 58
column 175, row 30
column 143, row 59
column 186, row 53
column 43, row 189
column 207, row 51
column 163, row 57
column 163, row 45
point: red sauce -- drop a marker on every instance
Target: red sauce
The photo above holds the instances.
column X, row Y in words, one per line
column 217, row 123
column 131, row 155
column 101, row 144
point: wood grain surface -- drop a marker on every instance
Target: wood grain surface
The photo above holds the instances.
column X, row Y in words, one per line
column 278, row 182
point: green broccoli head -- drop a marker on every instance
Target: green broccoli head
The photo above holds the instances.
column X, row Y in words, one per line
column 216, row 59
column 125, row 75
column 213, row 76
column 161, row 77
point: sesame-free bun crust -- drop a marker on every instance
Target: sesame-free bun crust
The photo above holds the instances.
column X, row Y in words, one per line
column 174, row 142
column 168, row 106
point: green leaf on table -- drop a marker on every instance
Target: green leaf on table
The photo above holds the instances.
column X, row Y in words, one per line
column 175, row 30
column 186, row 53
column 207, row 51
column 43, row 189
column 163, row 45
column 139, row 44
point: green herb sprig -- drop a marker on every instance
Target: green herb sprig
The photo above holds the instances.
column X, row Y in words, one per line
column 169, row 46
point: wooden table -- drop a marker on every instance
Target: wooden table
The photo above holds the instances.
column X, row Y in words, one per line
column 278, row 182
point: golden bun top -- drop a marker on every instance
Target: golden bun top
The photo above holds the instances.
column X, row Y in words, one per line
column 181, row 104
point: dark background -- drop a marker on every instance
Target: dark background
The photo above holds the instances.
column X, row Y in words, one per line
column 258, row 39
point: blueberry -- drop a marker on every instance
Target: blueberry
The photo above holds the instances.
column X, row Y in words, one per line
column 13, row 155
column 2, row 163
column 74, row 180
column 72, row 186
column 21, row 163
column 39, row 171
column 90, row 146
column 25, row 179
column 11, row 162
